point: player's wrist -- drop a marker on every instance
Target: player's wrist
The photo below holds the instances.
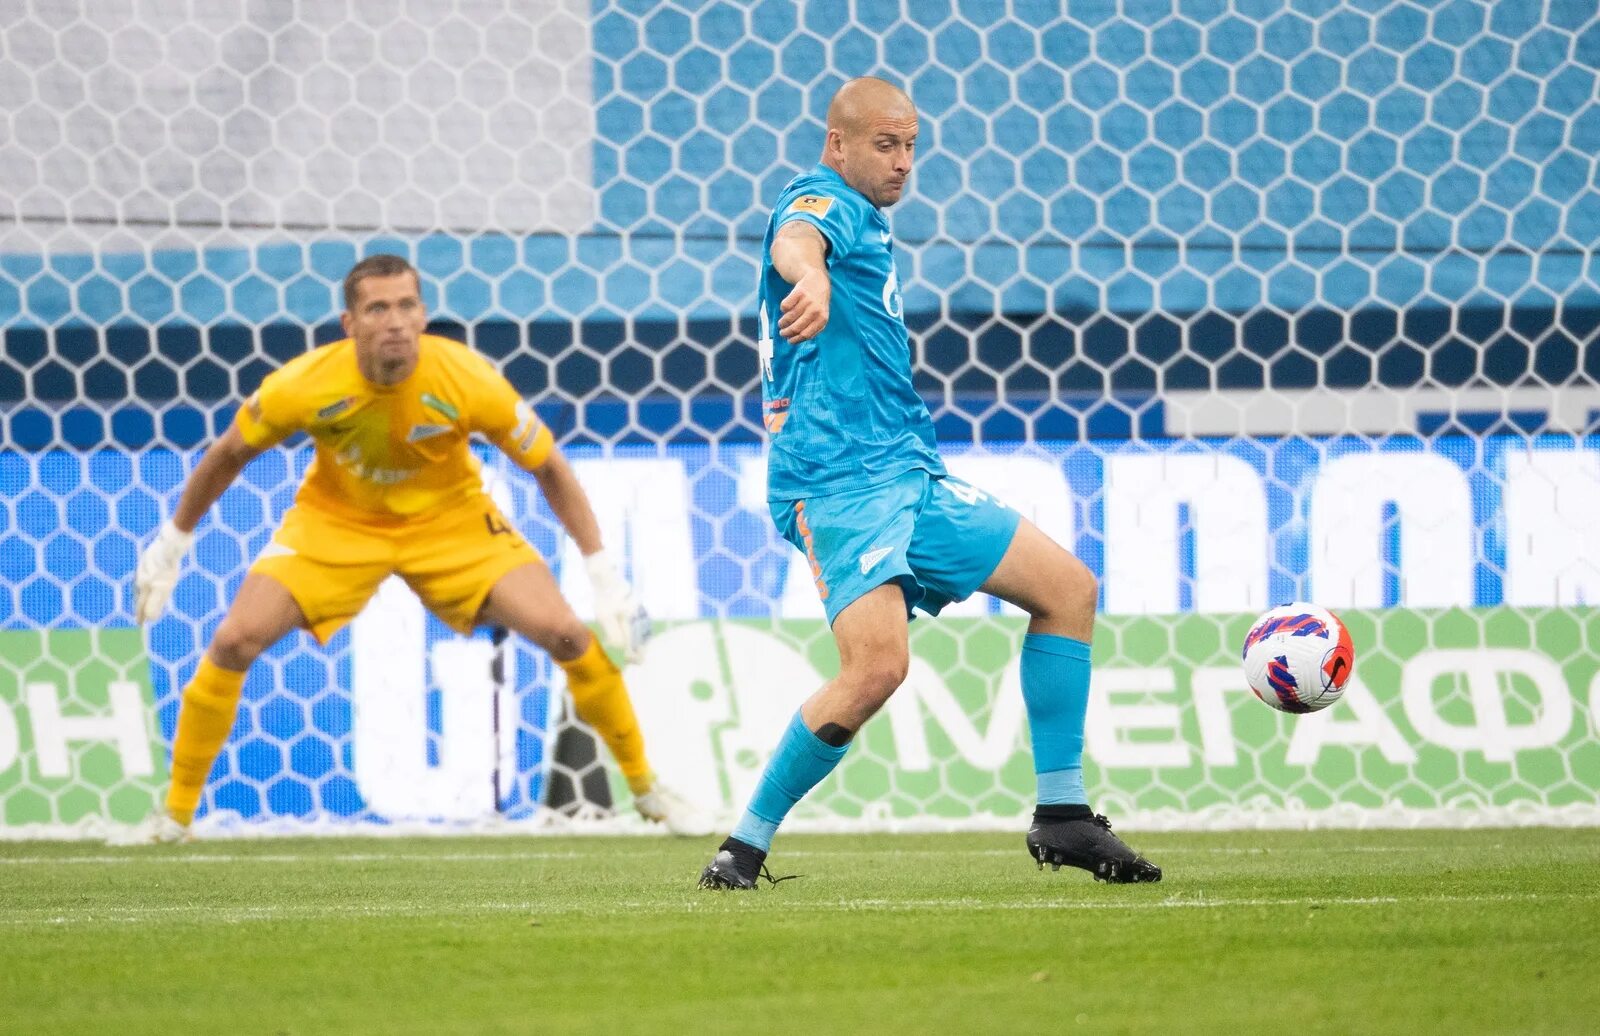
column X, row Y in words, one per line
column 171, row 534
column 600, row 566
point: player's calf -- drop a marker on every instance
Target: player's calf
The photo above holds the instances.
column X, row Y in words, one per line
column 1072, row 836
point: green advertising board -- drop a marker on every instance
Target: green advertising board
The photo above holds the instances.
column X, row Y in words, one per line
column 1475, row 714
column 77, row 732
column 1461, row 710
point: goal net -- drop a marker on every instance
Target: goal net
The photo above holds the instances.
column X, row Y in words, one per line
column 1243, row 302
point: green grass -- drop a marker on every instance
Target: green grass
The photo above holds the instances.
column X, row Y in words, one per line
column 1447, row 931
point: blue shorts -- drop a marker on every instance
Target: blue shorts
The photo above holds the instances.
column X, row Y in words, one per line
column 939, row 538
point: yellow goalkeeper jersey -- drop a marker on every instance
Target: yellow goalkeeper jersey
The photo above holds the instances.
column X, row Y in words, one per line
column 390, row 452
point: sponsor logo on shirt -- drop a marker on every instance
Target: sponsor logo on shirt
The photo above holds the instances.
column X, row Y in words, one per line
column 352, row 461
column 812, row 203
column 892, row 303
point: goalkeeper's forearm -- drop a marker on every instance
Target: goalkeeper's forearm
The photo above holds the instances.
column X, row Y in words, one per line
column 566, row 497
column 210, row 478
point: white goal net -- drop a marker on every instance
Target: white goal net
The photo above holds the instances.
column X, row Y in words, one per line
column 1244, row 302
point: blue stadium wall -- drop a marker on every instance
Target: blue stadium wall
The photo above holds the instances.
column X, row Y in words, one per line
column 1431, row 167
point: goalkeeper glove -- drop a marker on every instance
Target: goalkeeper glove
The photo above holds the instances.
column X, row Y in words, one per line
column 623, row 620
column 158, row 572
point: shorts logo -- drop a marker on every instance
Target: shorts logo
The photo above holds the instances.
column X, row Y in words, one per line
column 870, row 559
column 812, row 203
column 274, row 549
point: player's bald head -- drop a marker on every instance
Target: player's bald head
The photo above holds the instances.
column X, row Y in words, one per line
column 862, row 102
column 872, row 132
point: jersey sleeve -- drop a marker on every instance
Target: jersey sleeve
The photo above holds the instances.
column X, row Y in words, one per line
column 836, row 216
column 505, row 419
column 271, row 414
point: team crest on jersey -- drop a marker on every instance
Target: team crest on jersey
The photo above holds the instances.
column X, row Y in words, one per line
column 333, row 410
column 420, row 432
column 447, row 409
column 815, row 204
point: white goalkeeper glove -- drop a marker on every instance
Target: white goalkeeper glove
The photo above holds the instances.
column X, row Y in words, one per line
column 623, row 620
column 158, row 572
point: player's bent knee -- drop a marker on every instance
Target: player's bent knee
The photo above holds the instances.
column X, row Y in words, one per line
column 1080, row 589
column 1068, row 598
column 236, row 646
column 565, row 644
column 875, row 677
column 1078, row 597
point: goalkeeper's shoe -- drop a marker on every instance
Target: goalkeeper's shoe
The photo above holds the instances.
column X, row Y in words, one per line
column 1086, row 841
column 156, row 829
column 680, row 816
column 737, row 866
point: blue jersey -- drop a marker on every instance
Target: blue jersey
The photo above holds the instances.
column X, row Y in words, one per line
column 840, row 409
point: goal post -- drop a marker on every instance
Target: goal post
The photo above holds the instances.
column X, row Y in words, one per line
column 1244, row 303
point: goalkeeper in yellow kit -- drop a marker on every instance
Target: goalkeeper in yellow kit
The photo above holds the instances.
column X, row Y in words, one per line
column 394, row 489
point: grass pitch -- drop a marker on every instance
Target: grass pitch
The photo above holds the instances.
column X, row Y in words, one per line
column 1441, row 931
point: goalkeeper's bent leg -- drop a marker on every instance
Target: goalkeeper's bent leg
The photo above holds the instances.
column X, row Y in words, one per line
column 601, row 700
column 210, row 702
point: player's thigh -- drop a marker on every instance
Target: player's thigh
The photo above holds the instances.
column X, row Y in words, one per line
column 452, row 560
column 263, row 612
column 329, row 566
column 527, row 601
column 872, row 635
column 855, row 541
column 1045, row 580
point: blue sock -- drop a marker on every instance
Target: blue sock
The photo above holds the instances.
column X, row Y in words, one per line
column 1055, row 688
column 797, row 765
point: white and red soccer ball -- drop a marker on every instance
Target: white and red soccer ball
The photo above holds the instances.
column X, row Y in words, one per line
column 1298, row 657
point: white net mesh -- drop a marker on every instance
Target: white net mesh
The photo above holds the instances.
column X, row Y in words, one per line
column 1245, row 302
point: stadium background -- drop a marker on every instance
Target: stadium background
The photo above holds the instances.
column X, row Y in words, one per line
column 1278, row 234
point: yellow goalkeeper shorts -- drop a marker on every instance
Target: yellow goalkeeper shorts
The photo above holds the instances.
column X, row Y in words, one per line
column 451, row 560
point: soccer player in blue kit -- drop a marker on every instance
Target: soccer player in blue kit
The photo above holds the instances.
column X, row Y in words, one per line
column 855, row 482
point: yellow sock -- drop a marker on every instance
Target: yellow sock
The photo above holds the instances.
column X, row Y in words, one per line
column 601, row 700
column 209, row 704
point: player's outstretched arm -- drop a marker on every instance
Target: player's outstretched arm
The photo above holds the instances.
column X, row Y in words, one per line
column 157, row 573
column 623, row 620
column 800, row 255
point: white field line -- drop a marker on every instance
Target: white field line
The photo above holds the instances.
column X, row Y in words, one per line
column 202, row 857
column 180, row 855
column 194, row 913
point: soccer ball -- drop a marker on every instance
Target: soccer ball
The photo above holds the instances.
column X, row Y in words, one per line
column 1298, row 657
